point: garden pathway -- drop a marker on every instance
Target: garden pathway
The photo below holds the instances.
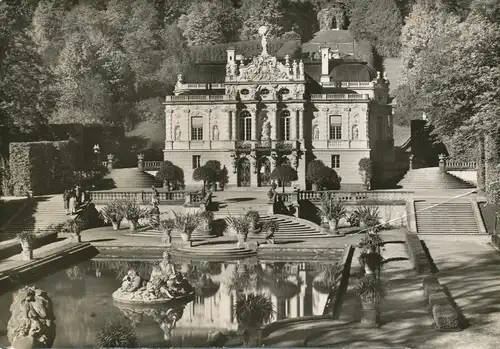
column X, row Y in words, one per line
column 468, row 267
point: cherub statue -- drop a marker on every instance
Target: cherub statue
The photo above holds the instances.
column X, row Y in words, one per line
column 131, row 282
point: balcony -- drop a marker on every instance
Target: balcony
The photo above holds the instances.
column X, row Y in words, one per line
column 349, row 84
column 340, row 96
column 196, row 98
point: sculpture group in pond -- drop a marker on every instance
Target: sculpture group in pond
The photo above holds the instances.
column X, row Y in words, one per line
column 164, row 284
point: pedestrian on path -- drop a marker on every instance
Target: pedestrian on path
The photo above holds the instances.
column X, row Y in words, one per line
column 66, row 200
column 72, row 202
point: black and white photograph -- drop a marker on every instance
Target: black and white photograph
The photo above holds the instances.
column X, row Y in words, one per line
column 250, row 173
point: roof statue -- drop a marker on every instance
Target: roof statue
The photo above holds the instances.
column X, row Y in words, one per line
column 264, row 67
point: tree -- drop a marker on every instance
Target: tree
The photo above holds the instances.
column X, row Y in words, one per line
column 26, row 97
column 170, row 175
column 365, row 170
column 209, row 23
column 284, row 174
column 205, row 174
column 384, row 34
column 259, row 13
column 314, row 171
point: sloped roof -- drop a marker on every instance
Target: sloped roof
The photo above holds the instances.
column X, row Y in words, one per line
column 205, row 73
column 353, row 72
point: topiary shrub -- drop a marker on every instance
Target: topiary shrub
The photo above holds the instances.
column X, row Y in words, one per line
column 170, row 175
column 284, row 174
column 365, row 170
column 445, row 317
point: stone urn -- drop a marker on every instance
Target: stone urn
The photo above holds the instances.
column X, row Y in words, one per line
column 185, row 236
column 242, row 239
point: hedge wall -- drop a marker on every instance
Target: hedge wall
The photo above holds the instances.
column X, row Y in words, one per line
column 43, row 167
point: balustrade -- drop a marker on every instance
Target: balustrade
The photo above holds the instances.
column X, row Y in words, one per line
column 331, row 96
column 460, row 165
column 351, row 197
column 166, row 197
column 152, row 165
column 183, row 98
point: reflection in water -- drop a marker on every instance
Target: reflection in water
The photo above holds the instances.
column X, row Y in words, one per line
column 83, row 303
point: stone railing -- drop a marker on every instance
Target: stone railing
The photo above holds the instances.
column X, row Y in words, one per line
column 166, row 197
column 349, row 84
column 456, row 165
column 152, row 165
column 331, row 96
column 187, row 98
column 351, row 197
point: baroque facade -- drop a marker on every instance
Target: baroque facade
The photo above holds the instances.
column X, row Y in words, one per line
column 253, row 115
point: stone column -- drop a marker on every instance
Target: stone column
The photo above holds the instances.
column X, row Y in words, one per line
column 301, row 124
column 293, row 134
column 255, row 124
column 233, row 116
column 326, row 122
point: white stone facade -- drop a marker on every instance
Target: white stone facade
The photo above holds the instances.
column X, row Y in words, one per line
column 264, row 115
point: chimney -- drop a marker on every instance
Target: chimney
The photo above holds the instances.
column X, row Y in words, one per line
column 230, row 56
column 325, row 69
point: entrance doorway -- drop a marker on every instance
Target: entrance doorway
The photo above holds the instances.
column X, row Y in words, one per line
column 264, row 172
column 243, row 172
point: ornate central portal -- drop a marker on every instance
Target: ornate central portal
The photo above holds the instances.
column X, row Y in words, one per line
column 264, row 172
column 244, row 177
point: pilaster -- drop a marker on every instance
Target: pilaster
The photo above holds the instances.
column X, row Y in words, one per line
column 186, row 136
column 324, row 111
column 255, row 132
column 301, row 124
column 233, row 114
column 169, row 125
column 253, row 169
column 272, row 115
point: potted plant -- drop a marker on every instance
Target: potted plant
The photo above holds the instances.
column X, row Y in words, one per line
column 205, row 226
column 185, row 224
column 253, row 219
column 241, row 225
column 368, row 217
column 371, row 293
column 371, row 242
column 166, row 227
column 332, row 211
column 74, row 227
column 132, row 212
column 270, row 227
column 112, row 213
column 252, row 312
column 27, row 239
column 370, row 261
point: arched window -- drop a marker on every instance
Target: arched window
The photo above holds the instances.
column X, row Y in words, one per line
column 285, row 125
column 245, row 125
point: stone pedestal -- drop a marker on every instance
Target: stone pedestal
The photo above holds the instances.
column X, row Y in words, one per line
column 140, row 162
column 76, row 238
column 27, row 255
column 270, row 207
column 410, row 164
column 442, row 163
column 370, row 316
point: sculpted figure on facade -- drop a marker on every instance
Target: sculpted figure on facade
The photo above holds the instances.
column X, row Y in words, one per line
column 32, row 321
column 295, row 69
column 301, row 68
column 316, row 132
column 177, row 133
column 215, row 133
column 355, row 132
column 266, row 128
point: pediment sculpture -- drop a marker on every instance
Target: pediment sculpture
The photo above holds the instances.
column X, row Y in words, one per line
column 264, row 68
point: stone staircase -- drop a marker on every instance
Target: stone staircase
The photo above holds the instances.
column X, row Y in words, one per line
column 123, row 178
column 431, row 178
column 455, row 217
column 43, row 212
column 290, row 229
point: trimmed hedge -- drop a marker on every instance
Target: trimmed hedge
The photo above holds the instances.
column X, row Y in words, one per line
column 43, row 167
column 445, row 317
column 431, row 285
column 495, row 241
column 417, row 255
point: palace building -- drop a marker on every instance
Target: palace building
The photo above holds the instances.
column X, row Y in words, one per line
column 253, row 115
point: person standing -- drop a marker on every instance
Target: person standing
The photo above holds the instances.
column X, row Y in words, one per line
column 72, row 202
column 78, row 193
column 66, row 200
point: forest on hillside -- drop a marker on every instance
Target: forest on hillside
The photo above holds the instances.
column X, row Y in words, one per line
column 111, row 62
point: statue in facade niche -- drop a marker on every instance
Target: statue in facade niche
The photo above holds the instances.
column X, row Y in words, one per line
column 177, row 133
column 355, row 132
column 32, row 321
column 331, row 17
column 266, row 129
column 315, row 132
column 301, row 68
column 216, row 133
column 294, row 69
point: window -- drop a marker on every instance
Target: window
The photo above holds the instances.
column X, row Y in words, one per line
column 285, row 125
column 335, row 161
column 335, row 127
column 245, row 126
column 196, row 161
column 244, row 92
column 264, row 92
column 197, row 128
column 285, row 91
